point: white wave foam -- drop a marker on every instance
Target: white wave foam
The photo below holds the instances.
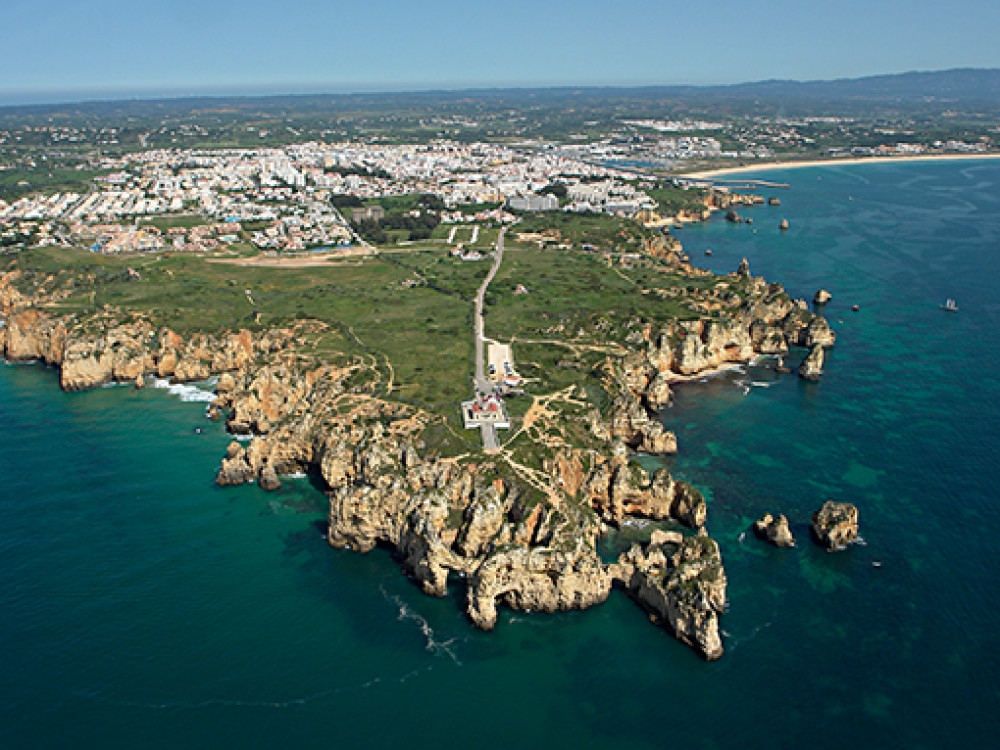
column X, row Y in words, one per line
column 432, row 645
column 186, row 392
column 638, row 523
column 244, row 438
column 295, row 475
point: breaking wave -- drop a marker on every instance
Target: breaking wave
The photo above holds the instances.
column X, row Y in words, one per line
column 430, row 643
column 184, row 391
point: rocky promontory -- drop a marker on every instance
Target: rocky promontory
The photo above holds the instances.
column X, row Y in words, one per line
column 680, row 580
column 518, row 528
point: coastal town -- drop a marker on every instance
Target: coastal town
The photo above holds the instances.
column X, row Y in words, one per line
column 280, row 199
column 157, row 184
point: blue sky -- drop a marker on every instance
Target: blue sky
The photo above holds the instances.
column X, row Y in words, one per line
column 72, row 48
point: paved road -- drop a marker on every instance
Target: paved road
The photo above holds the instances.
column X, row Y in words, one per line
column 483, row 384
column 491, row 443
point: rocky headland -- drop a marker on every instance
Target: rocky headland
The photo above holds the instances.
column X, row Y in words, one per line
column 519, row 535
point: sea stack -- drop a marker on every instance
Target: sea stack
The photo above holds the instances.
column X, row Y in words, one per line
column 783, row 226
column 822, row 297
column 812, row 366
column 835, row 525
column 774, row 201
column 774, row 530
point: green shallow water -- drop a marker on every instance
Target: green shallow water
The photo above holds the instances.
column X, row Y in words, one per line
column 140, row 605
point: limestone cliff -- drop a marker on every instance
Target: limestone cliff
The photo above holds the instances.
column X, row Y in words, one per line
column 681, row 581
column 514, row 546
column 104, row 349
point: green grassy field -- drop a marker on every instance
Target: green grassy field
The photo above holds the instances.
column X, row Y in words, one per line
column 17, row 183
column 600, row 230
column 164, row 223
column 423, row 331
column 408, row 312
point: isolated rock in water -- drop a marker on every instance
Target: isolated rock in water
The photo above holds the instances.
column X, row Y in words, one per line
column 835, row 525
column 822, row 297
column 812, row 366
column 269, row 478
column 235, row 468
column 774, row 530
column 783, row 225
column 774, row 201
column 733, row 217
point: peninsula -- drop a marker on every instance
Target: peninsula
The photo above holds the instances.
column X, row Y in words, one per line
column 464, row 330
column 355, row 370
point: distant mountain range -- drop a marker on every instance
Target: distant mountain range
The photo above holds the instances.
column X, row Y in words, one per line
column 965, row 85
column 965, row 88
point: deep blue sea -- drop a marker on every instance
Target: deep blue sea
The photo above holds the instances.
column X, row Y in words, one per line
column 141, row 606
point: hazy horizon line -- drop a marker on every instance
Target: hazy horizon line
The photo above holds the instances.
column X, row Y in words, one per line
column 103, row 94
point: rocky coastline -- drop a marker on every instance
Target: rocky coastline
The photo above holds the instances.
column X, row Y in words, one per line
column 519, row 537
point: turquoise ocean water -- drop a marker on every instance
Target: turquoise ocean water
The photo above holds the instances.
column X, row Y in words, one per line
column 141, row 606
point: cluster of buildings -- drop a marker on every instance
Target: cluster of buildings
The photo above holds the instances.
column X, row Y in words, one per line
column 609, row 196
column 119, row 238
column 658, row 151
column 282, row 195
column 910, row 149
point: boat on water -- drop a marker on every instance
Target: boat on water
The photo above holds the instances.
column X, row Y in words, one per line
column 950, row 305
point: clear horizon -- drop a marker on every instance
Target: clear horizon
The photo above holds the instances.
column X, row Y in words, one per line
column 112, row 49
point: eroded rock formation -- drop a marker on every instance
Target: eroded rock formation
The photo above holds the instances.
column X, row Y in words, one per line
column 680, row 580
column 775, row 530
column 835, row 525
column 812, row 366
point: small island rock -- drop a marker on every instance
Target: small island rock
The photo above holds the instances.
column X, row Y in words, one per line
column 774, row 530
column 835, row 525
column 812, row 366
column 783, row 225
column 774, row 201
column 822, row 297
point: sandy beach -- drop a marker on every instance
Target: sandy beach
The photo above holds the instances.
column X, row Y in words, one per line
column 769, row 166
